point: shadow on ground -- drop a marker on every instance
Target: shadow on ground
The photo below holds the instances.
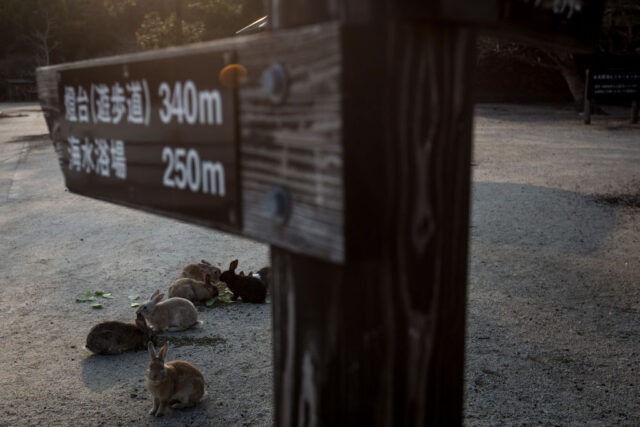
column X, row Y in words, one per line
column 31, row 138
column 532, row 217
column 100, row 373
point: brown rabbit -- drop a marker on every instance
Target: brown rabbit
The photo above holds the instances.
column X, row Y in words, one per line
column 249, row 288
column 197, row 271
column 194, row 290
column 114, row 337
column 174, row 314
column 177, row 384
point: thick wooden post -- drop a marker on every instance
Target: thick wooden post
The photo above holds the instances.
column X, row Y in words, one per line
column 380, row 339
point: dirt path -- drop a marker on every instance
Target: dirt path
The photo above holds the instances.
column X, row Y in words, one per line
column 55, row 246
column 554, row 297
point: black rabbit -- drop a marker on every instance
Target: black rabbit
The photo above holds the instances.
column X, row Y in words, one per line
column 249, row 288
column 267, row 277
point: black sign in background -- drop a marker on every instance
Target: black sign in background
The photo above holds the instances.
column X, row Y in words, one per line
column 143, row 186
column 614, row 84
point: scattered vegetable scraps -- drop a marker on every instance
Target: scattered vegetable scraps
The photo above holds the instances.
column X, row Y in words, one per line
column 89, row 297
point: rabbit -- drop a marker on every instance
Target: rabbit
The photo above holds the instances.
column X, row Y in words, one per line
column 114, row 337
column 249, row 288
column 177, row 384
column 194, row 290
column 174, row 314
column 197, row 271
column 266, row 276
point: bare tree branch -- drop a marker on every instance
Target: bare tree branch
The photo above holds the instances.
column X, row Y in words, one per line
column 42, row 39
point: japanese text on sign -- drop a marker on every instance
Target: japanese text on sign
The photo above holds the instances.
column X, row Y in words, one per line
column 130, row 103
column 99, row 156
column 113, row 104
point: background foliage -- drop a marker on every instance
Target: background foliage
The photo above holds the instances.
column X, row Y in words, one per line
column 42, row 32
column 619, row 37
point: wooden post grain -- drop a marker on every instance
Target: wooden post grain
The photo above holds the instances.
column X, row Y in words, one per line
column 379, row 340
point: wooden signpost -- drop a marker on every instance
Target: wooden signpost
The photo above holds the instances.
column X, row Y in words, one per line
column 344, row 141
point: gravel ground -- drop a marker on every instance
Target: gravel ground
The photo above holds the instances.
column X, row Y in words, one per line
column 554, row 295
column 553, row 332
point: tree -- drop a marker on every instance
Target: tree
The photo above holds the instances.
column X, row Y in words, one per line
column 156, row 32
column 43, row 38
column 563, row 62
column 42, row 32
column 619, row 36
column 171, row 22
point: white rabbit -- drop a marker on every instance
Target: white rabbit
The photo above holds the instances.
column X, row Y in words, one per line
column 174, row 314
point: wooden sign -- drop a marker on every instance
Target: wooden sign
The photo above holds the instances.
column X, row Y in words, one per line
column 157, row 134
column 159, row 131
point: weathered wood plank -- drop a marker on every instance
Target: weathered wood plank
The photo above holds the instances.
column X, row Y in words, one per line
column 296, row 145
column 309, row 124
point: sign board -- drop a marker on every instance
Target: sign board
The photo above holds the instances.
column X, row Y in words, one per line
column 157, row 134
column 195, row 133
column 614, row 84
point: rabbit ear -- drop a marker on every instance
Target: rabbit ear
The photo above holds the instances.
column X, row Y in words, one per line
column 155, row 293
column 159, row 297
column 205, row 262
column 163, row 352
column 233, row 265
column 152, row 350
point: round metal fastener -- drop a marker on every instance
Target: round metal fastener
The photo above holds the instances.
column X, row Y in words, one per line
column 274, row 83
column 279, row 205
